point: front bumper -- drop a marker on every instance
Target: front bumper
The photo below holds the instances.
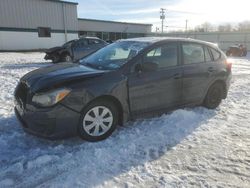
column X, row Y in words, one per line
column 53, row 123
column 48, row 57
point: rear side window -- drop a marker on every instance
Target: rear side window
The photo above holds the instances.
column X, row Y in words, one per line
column 215, row 53
column 193, row 53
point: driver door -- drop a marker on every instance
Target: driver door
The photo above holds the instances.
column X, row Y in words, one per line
column 157, row 90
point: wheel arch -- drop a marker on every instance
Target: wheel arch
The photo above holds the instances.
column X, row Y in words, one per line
column 113, row 100
column 223, row 83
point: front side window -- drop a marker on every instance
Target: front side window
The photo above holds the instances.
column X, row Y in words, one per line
column 114, row 55
column 165, row 56
column 193, row 53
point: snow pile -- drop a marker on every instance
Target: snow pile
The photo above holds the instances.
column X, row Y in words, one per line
column 184, row 148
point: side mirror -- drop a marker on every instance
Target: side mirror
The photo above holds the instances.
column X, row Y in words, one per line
column 146, row 67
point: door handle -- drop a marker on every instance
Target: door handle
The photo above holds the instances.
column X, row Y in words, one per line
column 177, row 76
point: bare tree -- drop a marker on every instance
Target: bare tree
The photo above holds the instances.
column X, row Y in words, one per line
column 244, row 26
column 225, row 28
column 205, row 27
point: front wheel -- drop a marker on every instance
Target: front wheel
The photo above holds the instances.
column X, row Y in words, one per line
column 98, row 121
column 214, row 96
column 66, row 58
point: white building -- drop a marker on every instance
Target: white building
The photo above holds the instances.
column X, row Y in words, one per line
column 112, row 30
column 41, row 24
column 36, row 24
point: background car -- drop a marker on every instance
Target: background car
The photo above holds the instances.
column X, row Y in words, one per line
column 237, row 50
column 129, row 79
column 74, row 49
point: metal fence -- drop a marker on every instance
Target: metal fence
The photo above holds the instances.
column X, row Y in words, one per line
column 223, row 39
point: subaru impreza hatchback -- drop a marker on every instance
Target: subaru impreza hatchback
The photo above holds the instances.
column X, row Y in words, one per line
column 130, row 78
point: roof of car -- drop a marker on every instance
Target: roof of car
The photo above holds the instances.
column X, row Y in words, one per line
column 158, row 39
column 91, row 38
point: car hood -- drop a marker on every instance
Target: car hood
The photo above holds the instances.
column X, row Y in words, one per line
column 50, row 50
column 51, row 76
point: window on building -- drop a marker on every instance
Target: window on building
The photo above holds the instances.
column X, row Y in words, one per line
column 124, row 35
column 105, row 36
column 44, row 32
column 118, row 36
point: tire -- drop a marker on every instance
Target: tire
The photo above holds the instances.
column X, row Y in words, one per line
column 66, row 58
column 214, row 96
column 92, row 127
column 55, row 59
column 245, row 53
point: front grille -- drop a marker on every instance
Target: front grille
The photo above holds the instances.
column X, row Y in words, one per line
column 21, row 94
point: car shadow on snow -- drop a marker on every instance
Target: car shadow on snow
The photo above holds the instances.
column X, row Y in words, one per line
column 92, row 164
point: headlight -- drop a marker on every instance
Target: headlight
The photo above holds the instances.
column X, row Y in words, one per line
column 50, row 98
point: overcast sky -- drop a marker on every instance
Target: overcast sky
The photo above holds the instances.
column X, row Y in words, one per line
column 177, row 11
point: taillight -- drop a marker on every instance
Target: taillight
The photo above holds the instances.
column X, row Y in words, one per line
column 229, row 65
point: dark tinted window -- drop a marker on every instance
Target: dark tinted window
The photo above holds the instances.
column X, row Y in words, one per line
column 215, row 54
column 164, row 56
column 81, row 43
column 193, row 53
column 44, row 32
column 207, row 55
column 94, row 41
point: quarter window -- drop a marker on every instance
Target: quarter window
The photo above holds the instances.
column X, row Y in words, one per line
column 207, row 55
column 215, row 53
column 193, row 53
column 164, row 56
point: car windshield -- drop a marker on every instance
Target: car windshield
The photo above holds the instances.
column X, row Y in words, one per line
column 68, row 43
column 114, row 55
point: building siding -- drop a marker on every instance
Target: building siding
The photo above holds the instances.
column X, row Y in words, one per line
column 31, row 14
column 106, row 26
column 13, row 40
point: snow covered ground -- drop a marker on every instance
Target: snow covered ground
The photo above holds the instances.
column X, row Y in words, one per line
column 192, row 147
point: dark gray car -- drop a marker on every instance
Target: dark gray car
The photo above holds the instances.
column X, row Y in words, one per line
column 128, row 79
column 74, row 49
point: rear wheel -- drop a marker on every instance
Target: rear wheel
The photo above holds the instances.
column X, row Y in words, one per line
column 98, row 121
column 245, row 53
column 214, row 96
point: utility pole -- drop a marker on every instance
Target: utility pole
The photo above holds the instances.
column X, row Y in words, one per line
column 186, row 25
column 162, row 17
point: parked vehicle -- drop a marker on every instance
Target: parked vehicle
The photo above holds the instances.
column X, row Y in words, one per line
column 129, row 79
column 74, row 49
column 237, row 50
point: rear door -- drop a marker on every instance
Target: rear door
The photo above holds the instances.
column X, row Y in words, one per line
column 198, row 71
column 159, row 89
